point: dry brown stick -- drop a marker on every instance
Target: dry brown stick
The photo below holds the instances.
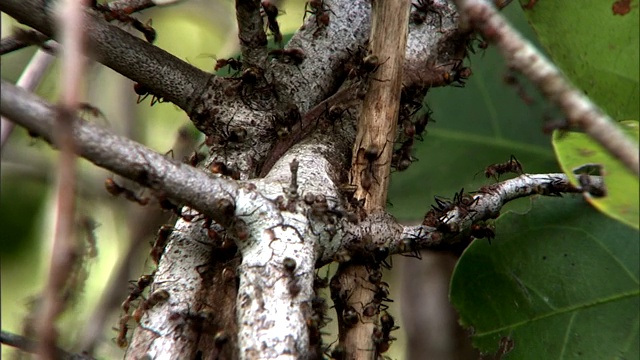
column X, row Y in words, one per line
column 64, row 251
column 371, row 160
column 525, row 58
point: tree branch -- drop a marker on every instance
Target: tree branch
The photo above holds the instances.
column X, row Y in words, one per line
column 522, row 56
column 163, row 74
column 180, row 182
column 31, row 346
column 253, row 40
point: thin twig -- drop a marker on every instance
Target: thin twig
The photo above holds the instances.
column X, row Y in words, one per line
column 30, row 346
column 20, row 39
column 522, row 56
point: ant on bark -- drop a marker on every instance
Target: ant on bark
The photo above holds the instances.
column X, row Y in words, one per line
column 511, row 166
column 320, row 10
column 124, row 16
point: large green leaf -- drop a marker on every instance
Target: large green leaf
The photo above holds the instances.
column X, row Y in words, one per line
column 623, row 200
column 560, row 282
column 596, row 48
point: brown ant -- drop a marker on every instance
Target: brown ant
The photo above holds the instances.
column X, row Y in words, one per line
column 143, row 92
column 368, row 65
column 114, row 189
column 161, row 242
column 511, row 166
column 370, row 155
column 457, row 76
column 155, row 298
column 271, row 11
column 121, row 338
column 221, row 168
column 402, row 158
column 321, row 12
column 136, row 291
column 233, row 64
column 124, row 16
column 350, row 316
column 293, row 56
column 424, row 7
column 168, row 205
column 480, row 231
column 293, row 286
column 94, row 111
column 229, row 135
column 421, row 123
column 194, row 159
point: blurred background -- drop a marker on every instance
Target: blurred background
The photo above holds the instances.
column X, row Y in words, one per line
column 483, row 123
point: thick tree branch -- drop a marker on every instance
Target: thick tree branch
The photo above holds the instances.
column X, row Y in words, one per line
column 163, row 74
column 522, row 56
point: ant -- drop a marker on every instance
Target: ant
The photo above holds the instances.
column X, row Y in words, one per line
column 143, row 92
column 480, row 231
column 155, row 298
column 161, row 242
column 511, row 166
column 350, row 316
column 121, row 338
column 229, row 135
column 136, row 291
column 221, row 168
column 114, row 189
column 457, row 76
column 370, row 155
column 124, row 16
column 290, row 267
column 321, row 12
column 293, row 56
column 424, row 7
column 166, row 204
column 233, row 63
column 402, row 157
column 271, row 11
column 194, row 159
column 366, row 66
column 421, row 124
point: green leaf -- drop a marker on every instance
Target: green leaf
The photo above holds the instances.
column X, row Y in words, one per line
column 622, row 200
column 596, row 48
column 560, row 282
